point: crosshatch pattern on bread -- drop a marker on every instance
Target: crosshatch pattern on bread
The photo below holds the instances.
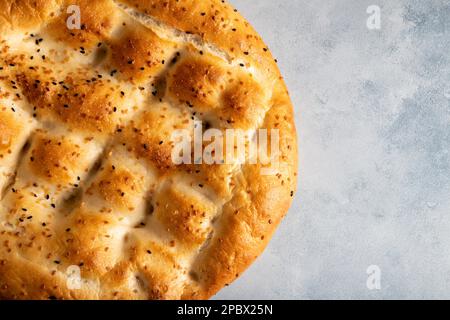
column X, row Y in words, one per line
column 86, row 176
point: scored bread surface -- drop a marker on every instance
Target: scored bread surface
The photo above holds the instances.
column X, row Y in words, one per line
column 86, row 174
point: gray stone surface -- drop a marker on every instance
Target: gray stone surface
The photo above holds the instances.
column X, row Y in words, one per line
column 373, row 117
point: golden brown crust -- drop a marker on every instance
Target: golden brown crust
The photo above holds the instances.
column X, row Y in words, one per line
column 87, row 181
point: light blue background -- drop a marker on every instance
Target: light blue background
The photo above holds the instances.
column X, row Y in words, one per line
column 373, row 119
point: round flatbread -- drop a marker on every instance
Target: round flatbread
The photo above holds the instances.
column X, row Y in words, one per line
column 93, row 204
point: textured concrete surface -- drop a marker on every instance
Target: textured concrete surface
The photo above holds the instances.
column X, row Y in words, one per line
column 373, row 117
